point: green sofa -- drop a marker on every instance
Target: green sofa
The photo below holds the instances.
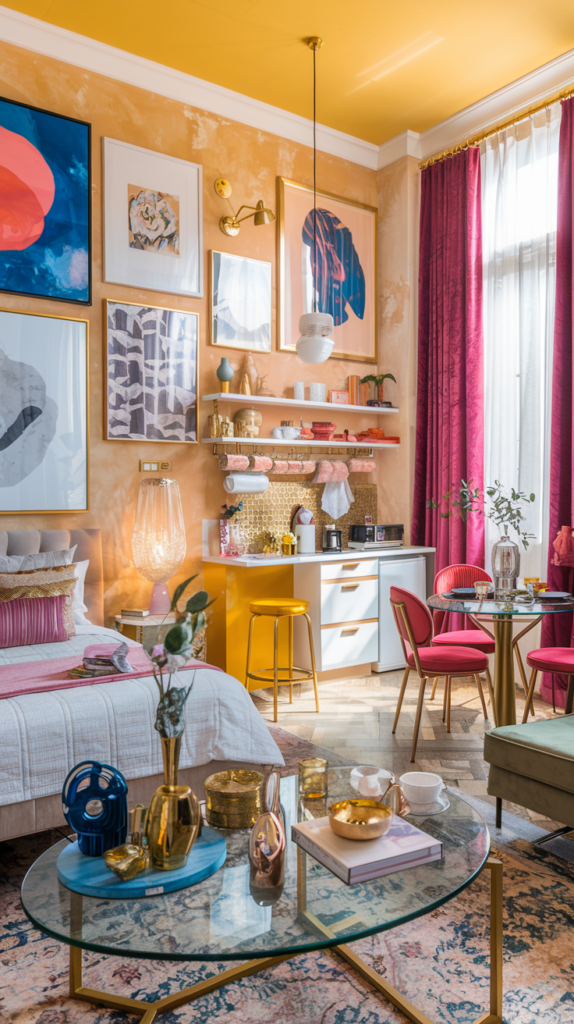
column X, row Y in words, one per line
column 533, row 766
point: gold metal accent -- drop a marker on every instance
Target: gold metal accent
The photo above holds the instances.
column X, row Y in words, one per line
column 261, row 215
column 233, row 798
column 271, row 675
column 348, row 586
column 519, row 661
column 130, row 859
column 167, row 309
column 350, row 565
column 313, row 778
column 359, row 819
column 222, row 187
column 78, row 320
column 173, row 818
column 314, row 42
column 355, row 622
column 282, row 183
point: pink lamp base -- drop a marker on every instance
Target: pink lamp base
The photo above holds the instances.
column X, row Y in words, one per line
column 160, row 603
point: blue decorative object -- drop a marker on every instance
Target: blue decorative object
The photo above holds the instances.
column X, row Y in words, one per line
column 93, row 878
column 94, row 798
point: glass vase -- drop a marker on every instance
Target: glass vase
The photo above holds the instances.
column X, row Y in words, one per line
column 505, row 563
column 173, row 818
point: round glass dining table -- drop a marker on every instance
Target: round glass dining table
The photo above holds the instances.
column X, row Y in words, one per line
column 502, row 615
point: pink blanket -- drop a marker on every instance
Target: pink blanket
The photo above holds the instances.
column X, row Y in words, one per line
column 42, row 676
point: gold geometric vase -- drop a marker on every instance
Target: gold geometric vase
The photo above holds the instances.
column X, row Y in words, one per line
column 173, row 818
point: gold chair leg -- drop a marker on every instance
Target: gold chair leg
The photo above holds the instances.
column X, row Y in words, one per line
column 448, row 699
column 490, row 694
column 401, row 695
column 313, row 666
column 275, row 668
column 249, row 639
column 481, row 694
column 290, row 642
column 434, row 686
column 529, row 695
column 418, row 716
column 445, row 697
column 521, row 668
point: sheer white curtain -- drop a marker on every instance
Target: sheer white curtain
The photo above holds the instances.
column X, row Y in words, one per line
column 519, row 204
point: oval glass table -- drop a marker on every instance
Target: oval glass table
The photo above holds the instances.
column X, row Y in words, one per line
column 502, row 615
column 218, row 919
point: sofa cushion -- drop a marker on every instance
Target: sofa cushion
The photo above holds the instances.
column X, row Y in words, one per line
column 538, row 750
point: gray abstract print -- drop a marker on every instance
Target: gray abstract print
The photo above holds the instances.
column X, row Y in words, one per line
column 152, row 373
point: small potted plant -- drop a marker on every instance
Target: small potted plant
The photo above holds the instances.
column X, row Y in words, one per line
column 378, row 379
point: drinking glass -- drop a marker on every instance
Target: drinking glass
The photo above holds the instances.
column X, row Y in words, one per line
column 313, row 778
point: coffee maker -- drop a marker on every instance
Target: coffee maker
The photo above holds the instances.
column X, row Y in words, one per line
column 332, row 540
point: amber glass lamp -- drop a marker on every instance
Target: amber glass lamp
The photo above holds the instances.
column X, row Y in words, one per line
column 158, row 540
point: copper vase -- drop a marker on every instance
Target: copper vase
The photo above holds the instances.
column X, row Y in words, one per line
column 173, row 818
column 267, row 845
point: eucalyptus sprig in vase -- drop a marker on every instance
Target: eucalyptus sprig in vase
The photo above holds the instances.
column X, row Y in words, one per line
column 173, row 818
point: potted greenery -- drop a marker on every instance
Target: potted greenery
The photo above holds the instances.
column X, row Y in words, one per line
column 379, row 380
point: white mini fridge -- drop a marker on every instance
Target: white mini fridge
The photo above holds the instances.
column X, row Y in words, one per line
column 410, row 574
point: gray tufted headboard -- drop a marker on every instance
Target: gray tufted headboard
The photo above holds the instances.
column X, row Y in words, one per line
column 89, row 545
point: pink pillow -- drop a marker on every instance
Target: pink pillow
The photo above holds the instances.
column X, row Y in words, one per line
column 36, row 620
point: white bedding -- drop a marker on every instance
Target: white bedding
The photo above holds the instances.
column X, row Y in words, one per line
column 43, row 735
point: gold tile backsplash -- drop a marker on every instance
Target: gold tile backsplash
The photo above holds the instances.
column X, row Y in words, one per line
column 272, row 510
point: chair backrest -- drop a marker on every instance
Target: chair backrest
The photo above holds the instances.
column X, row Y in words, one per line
column 444, row 581
column 417, row 613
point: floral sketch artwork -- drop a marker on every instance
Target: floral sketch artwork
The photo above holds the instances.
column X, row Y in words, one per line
column 153, row 221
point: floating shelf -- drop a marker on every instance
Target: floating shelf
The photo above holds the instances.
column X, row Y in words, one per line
column 298, row 443
column 294, row 403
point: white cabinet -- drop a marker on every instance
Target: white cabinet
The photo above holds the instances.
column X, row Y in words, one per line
column 409, row 574
column 349, row 600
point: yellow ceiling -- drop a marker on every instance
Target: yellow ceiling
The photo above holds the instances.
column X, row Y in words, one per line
column 385, row 66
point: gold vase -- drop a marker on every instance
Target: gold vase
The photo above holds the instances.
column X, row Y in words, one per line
column 173, row 818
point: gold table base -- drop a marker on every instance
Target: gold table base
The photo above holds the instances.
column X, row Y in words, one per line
column 149, row 1011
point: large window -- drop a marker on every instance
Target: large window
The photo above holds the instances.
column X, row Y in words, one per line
column 519, row 206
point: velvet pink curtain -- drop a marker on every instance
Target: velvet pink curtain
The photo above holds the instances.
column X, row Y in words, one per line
column 450, row 389
column 557, row 629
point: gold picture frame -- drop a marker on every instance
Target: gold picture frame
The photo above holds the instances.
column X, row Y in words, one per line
column 54, row 363
column 354, row 226
column 237, row 346
column 106, row 361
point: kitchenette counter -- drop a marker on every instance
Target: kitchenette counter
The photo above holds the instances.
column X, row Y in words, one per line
column 258, row 562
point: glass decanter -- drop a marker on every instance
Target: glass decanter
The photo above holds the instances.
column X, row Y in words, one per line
column 267, row 845
column 505, row 563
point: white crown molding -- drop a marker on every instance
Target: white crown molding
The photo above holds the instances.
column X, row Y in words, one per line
column 91, row 55
column 524, row 92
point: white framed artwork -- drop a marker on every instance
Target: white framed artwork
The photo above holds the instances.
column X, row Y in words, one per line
column 152, row 220
column 240, row 302
column 43, row 413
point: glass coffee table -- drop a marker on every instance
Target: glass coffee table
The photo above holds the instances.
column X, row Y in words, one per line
column 218, row 919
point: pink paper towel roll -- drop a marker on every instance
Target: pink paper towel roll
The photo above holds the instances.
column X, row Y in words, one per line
column 260, row 463
column 233, row 462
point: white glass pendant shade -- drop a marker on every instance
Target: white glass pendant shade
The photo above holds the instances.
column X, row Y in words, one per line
column 315, row 345
column 158, row 540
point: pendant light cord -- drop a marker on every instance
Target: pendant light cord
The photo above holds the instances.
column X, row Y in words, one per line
column 314, row 181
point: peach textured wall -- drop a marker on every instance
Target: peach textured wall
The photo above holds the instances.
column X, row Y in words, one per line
column 251, row 160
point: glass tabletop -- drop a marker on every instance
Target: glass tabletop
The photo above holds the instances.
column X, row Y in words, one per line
column 218, row 919
column 495, row 608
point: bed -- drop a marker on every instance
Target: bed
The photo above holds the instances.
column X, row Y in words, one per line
column 43, row 735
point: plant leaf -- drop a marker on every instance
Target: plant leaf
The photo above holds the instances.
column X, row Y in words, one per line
column 179, row 592
column 198, row 602
column 176, row 638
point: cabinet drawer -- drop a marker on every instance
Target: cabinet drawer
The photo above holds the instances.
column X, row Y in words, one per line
column 350, row 568
column 349, row 645
column 349, row 600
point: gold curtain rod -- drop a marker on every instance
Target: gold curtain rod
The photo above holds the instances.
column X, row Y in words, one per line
column 477, row 139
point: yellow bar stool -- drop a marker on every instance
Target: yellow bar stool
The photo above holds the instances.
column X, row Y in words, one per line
column 280, row 608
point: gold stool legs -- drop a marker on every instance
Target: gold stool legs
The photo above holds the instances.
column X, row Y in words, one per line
column 313, row 667
column 261, row 675
column 275, row 668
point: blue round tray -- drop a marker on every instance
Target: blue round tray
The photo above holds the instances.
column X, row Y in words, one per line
column 91, row 877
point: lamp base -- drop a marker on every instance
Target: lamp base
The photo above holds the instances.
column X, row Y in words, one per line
column 160, row 603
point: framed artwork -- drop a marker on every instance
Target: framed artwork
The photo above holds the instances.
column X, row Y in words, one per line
column 45, row 204
column 43, row 413
column 151, row 373
column 240, row 302
column 152, row 220
column 345, row 273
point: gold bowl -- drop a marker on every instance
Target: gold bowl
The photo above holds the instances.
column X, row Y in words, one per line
column 359, row 819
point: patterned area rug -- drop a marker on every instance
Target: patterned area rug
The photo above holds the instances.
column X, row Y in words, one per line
column 440, row 961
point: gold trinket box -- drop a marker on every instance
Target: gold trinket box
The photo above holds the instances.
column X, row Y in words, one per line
column 233, row 798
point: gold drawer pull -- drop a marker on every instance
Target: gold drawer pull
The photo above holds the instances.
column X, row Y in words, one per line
column 349, row 632
column 350, row 586
column 350, row 565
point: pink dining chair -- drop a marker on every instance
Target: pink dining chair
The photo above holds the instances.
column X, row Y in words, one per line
column 478, row 639
column 551, row 659
column 414, row 623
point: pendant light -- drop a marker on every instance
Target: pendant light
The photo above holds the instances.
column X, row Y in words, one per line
column 315, row 345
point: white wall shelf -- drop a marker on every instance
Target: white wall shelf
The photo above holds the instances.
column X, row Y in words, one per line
column 293, row 403
column 298, row 443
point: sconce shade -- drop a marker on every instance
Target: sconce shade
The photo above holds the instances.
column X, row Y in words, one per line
column 263, row 215
column 158, row 540
column 314, row 345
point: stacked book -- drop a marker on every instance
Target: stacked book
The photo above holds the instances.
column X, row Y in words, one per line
column 103, row 660
column 403, row 846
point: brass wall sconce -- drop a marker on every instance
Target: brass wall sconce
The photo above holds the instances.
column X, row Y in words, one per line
column 230, row 225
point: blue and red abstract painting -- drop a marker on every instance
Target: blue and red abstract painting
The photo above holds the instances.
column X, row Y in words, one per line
column 45, row 221
column 338, row 275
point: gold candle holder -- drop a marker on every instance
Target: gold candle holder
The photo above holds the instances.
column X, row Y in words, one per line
column 313, row 778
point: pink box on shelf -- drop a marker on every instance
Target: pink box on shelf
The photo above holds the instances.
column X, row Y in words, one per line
column 339, row 397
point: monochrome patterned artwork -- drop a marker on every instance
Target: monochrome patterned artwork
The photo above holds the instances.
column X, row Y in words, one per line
column 151, row 373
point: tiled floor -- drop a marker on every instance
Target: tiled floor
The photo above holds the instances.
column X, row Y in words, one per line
column 356, row 719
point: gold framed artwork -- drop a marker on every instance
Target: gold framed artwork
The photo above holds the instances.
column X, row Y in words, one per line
column 44, row 459
column 151, row 372
column 345, row 273
column 240, row 293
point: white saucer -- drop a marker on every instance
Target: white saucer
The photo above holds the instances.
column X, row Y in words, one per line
column 440, row 805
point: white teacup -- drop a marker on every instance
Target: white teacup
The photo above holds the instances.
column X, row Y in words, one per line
column 370, row 781
column 421, row 788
